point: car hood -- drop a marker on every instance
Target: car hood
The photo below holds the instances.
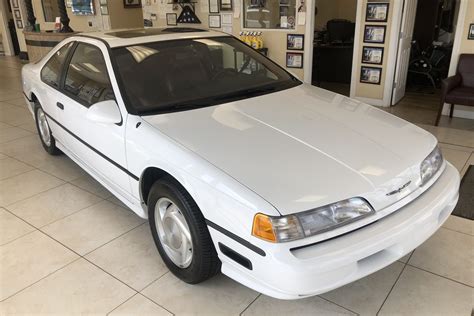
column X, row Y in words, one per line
column 305, row 147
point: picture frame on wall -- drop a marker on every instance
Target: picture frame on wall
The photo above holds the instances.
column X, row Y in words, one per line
column 295, row 42
column 374, row 34
column 294, row 60
column 470, row 35
column 19, row 24
column 376, row 12
column 213, row 6
column 129, row 4
column 171, row 19
column 17, row 14
column 225, row 5
column 103, row 2
column 372, row 55
column 371, row 75
column 15, row 4
column 215, row 21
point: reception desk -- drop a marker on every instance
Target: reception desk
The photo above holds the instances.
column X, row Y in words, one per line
column 40, row 43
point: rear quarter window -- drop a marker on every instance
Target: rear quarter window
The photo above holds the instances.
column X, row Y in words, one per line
column 52, row 69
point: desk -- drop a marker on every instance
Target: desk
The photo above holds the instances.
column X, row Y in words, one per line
column 332, row 63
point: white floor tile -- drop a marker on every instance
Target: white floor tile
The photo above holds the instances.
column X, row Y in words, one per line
column 78, row 289
column 139, row 306
column 421, row 293
column 132, row 258
column 217, row 296
column 54, row 204
column 11, row 227
column 447, row 253
column 28, row 259
column 92, row 227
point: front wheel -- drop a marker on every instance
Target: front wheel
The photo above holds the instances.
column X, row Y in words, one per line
column 180, row 232
column 46, row 137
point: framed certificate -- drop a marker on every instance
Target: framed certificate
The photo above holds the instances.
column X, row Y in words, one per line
column 214, row 21
column 376, row 12
column 374, row 34
column 372, row 55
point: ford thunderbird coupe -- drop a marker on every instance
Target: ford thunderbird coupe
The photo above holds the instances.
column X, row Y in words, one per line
column 240, row 167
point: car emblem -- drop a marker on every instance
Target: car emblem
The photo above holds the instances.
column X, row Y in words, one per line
column 400, row 189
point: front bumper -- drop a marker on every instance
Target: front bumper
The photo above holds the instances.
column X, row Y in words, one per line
column 291, row 273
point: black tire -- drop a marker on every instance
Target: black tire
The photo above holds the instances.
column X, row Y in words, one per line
column 51, row 148
column 205, row 262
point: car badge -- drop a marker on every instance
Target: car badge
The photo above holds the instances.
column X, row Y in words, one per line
column 400, row 189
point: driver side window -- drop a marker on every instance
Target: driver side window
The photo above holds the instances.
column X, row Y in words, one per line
column 87, row 79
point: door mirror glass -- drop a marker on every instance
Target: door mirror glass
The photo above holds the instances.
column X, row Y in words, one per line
column 105, row 112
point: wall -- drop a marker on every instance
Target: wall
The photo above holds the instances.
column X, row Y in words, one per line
column 334, row 9
column 365, row 90
column 124, row 18
column 274, row 40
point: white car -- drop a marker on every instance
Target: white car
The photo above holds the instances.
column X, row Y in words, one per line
column 286, row 188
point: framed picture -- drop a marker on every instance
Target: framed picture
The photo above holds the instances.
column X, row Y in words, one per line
column 19, row 24
column 470, row 36
column 213, row 6
column 376, row 12
column 374, row 34
column 225, row 5
column 227, row 18
column 214, row 21
column 132, row 4
column 295, row 42
column 103, row 2
column 17, row 14
column 15, row 3
column 372, row 55
column 171, row 19
column 104, row 10
column 370, row 75
column 294, row 60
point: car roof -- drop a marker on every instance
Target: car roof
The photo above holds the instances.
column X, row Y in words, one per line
column 126, row 37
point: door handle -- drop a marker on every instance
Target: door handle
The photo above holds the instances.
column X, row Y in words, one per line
column 60, row 105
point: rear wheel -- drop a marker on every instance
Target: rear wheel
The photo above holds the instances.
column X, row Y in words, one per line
column 180, row 232
column 46, row 137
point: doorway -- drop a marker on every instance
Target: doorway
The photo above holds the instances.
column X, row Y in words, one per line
column 427, row 34
column 334, row 29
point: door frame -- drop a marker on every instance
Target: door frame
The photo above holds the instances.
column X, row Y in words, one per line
column 6, row 38
column 391, row 48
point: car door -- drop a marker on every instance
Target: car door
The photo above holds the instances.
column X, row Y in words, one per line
column 101, row 146
column 50, row 91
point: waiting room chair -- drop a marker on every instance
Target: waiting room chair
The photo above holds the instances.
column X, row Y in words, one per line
column 458, row 89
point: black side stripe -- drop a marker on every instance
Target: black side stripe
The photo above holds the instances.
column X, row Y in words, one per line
column 236, row 238
column 94, row 150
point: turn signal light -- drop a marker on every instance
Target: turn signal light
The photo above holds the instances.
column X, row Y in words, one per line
column 263, row 228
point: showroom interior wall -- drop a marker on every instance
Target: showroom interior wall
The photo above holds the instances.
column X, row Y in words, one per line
column 462, row 46
column 274, row 40
column 372, row 93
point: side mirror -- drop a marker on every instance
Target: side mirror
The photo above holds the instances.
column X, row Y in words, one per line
column 105, row 112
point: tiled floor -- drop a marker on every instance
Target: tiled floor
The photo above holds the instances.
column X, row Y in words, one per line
column 67, row 246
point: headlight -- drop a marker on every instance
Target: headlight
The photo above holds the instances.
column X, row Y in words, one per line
column 430, row 165
column 313, row 222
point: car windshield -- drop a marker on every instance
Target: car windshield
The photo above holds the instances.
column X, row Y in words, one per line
column 177, row 75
